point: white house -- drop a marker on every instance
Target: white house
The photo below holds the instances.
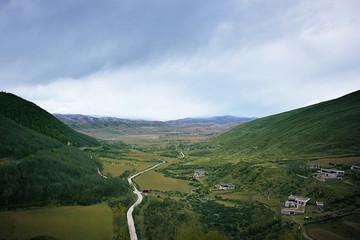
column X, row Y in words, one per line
column 313, row 166
column 199, row 173
column 226, row 186
column 319, row 204
column 355, row 167
column 295, row 201
column 331, row 172
column 295, row 205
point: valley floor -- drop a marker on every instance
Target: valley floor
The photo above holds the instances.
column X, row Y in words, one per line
column 176, row 204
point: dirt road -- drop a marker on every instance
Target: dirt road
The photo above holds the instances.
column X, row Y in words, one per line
column 130, row 219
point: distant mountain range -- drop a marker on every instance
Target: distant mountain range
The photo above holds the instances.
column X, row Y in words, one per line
column 218, row 120
column 80, row 119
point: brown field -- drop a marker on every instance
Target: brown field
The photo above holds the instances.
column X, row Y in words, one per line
column 119, row 166
column 142, row 156
column 157, row 181
column 134, row 161
column 323, row 234
column 226, row 203
column 339, row 228
column 143, row 140
column 169, row 161
column 116, row 170
column 346, row 161
column 5, row 160
column 73, row 222
column 245, row 197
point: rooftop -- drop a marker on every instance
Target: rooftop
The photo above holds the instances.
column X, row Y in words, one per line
column 298, row 198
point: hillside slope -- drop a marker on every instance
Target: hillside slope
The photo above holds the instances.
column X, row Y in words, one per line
column 33, row 117
column 37, row 170
column 18, row 141
column 327, row 128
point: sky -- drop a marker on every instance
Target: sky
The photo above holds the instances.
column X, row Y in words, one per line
column 163, row 60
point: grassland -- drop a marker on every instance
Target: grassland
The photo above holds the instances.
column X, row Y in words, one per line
column 73, row 222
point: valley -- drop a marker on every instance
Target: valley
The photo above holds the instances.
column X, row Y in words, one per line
column 266, row 160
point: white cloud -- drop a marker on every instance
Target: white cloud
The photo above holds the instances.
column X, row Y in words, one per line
column 248, row 61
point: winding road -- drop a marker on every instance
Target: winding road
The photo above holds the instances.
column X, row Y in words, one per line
column 130, row 219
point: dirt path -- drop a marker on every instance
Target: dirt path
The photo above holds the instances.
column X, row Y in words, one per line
column 130, row 218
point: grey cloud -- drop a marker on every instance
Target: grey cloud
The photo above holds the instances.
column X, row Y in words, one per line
column 54, row 39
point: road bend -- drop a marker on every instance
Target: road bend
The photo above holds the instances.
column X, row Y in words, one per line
column 130, row 218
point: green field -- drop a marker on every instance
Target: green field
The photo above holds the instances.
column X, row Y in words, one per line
column 72, row 222
column 157, row 181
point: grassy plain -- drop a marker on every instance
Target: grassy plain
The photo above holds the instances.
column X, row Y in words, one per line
column 72, row 222
column 157, row 181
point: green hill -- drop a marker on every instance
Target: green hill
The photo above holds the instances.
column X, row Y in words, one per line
column 37, row 169
column 266, row 155
column 325, row 129
column 33, row 117
column 18, row 141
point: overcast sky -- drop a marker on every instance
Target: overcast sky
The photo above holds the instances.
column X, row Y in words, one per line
column 161, row 59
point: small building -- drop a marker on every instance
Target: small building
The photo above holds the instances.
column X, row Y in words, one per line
column 200, row 173
column 226, row 186
column 293, row 211
column 329, row 175
column 295, row 205
column 295, row 201
column 355, row 167
column 313, row 166
column 319, row 205
column 145, row 190
column 331, row 172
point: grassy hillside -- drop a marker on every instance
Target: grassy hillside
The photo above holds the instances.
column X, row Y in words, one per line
column 18, row 141
column 64, row 175
column 37, row 169
column 327, row 128
column 33, row 117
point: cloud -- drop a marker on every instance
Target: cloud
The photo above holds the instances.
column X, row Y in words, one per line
column 168, row 60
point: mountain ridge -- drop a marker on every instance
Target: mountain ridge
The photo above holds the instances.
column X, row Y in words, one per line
column 80, row 118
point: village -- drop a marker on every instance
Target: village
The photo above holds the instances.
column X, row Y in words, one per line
column 294, row 204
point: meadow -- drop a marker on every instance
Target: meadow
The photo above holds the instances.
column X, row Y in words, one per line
column 70, row 222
